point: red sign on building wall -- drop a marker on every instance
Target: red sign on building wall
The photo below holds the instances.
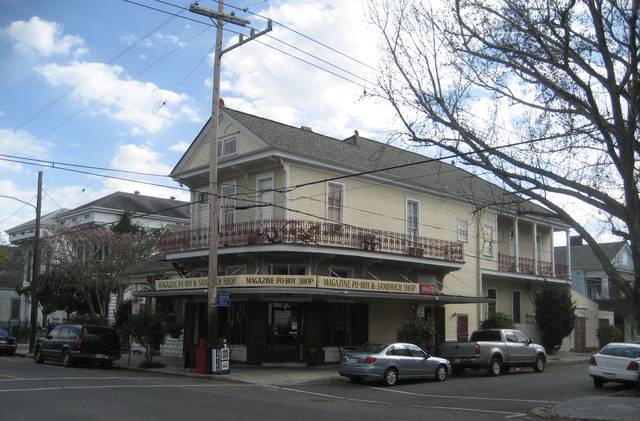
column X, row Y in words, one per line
column 428, row 289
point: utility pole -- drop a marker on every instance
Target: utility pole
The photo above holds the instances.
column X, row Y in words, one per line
column 36, row 268
column 212, row 281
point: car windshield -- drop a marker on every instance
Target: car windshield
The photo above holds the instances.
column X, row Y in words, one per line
column 3, row 333
column 373, row 348
column 486, row 336
column 100, row 332
column 621, row 351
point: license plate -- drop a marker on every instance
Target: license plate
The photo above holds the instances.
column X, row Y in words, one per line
column 3, row 341
column 609, row 375
column 457, row 360
column 101, row 356
column 352, row 360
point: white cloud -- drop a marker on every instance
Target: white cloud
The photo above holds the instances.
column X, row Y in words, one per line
column 20, row 143
column 128, row 101
column 269, row 83
column 42, row 38
column 138, row 158
column 179, row 147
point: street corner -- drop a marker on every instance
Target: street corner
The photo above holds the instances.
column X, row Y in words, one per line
column 607, row 408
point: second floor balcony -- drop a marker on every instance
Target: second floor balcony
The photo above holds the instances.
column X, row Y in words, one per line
column 314, row 233
column 527, row 266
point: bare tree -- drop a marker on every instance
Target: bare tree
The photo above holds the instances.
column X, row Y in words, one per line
column 557, row 77
column 95, row 259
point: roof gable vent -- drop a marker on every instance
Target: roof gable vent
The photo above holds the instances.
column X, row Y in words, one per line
column 306, row 128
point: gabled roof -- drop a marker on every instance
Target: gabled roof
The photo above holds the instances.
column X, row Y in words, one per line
column 360, row 154
column 139, row 204
column 582, row 256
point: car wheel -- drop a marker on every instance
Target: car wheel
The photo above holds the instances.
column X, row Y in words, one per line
column 441, row 373
column 598, row 382
column 67, row 361
column 390, row 377
column 457, row 371
column 37, row 356
column 495, row 367
column 540, row 364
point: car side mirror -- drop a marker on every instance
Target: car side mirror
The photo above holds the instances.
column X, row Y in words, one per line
column 427, row 356
column 48, row 337
column 531, row 341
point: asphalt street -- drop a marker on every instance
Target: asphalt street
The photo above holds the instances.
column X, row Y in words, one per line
column 51, row 392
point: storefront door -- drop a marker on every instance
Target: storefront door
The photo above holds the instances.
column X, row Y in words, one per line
column 285, row 331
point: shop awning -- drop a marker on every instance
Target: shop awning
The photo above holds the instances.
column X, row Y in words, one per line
column 314, row 294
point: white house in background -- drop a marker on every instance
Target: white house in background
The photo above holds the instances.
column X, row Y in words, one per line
column 590, row 281
column 147, row 211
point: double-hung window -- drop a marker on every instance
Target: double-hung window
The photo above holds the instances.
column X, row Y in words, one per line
column 413, row 219
column 516, row 307
column 228, row 146
column 487, row 246
column 335, row 203
column 463, row 230
column 228, row 205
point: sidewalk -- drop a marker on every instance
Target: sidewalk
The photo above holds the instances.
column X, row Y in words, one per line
column 594, row 408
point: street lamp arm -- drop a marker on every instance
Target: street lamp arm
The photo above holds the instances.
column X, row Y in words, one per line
column 19, row 200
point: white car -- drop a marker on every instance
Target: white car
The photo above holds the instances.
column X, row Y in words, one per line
column 616, row 362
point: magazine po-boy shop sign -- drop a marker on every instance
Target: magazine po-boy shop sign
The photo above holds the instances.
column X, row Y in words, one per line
column 293, row 281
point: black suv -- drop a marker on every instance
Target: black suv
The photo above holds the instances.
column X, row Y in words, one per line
column 73, row 343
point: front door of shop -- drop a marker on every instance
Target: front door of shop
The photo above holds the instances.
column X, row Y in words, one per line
column 285, row 331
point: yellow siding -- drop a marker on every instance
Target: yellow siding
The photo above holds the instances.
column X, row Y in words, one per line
column 200, row 156
column 385, row 317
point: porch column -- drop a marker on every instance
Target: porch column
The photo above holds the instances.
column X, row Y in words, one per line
column 516, row 239
column 568, row 235
column 535, row 248
column 553, row 255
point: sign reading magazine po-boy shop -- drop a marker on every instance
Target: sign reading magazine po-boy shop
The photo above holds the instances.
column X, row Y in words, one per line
column 239, row 281
column 291, row 281
column 367, row 285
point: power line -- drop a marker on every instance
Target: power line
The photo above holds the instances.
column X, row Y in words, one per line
column 18, row 211
column 302, row 35
column 51, row 103
column 95, row 101
column 260, row 42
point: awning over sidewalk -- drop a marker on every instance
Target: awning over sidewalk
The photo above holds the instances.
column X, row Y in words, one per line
column 307, row 287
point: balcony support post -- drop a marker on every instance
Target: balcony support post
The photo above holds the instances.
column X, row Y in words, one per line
column 536, row 258
column 568, row 236
column 517, row 243
column 553, row 255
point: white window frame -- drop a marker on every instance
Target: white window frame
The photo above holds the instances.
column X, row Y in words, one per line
column 222, row 145
column 463, row 230
column 262, row 211
column 289, row 267
column 224, row 202
column 519, row 306
column 488, row 241
column 406, row 216
column 495, row 303
column 342, row 201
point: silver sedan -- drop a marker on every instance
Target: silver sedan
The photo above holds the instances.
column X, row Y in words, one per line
column 390, row 362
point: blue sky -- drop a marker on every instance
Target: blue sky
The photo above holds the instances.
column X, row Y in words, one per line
column 81, row 84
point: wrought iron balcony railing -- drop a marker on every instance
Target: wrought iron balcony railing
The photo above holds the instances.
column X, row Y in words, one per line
column 303, row 232
column 507, row 263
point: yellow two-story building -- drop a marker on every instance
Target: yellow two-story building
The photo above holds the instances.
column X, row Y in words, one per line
column 327, row 242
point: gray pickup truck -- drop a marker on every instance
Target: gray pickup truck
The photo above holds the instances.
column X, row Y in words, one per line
column 496, row 350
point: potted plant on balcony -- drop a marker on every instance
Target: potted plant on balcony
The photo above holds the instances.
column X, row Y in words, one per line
column 255, row 237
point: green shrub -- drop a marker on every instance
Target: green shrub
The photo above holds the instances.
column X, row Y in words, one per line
column 149, row 328
column 497, row 321
column 88, row 319
column 555, row 315
column 417, row 331
column 609, row 333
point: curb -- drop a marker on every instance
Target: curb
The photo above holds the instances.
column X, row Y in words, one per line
column 557, row 363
